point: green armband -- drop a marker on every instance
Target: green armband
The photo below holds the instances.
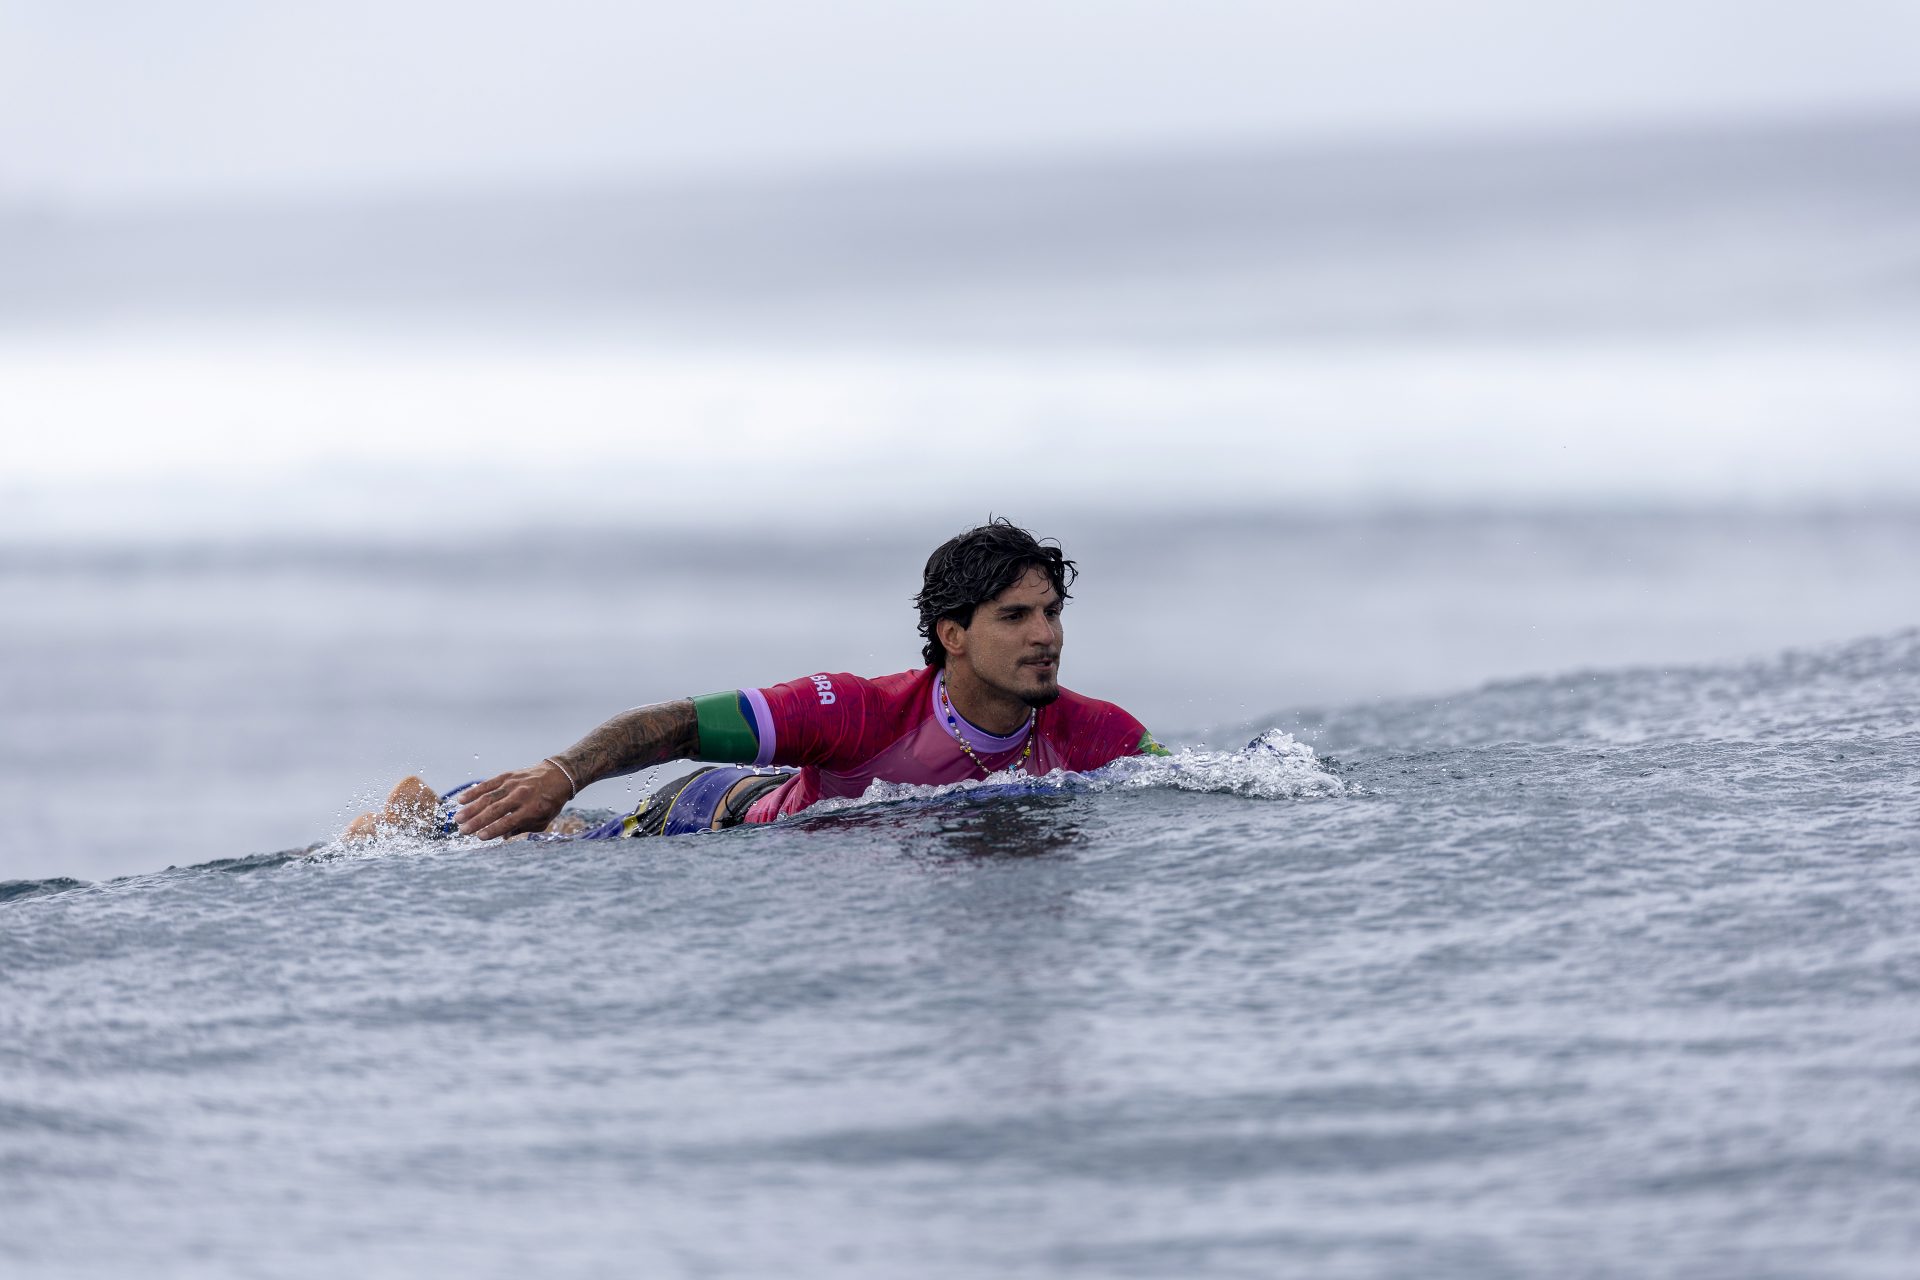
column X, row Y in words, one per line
column 1148, row 747
column 726, row 733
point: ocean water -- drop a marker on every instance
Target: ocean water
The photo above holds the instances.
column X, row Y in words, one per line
column 1599, row 974
column 1546, row 516
column 169, row 702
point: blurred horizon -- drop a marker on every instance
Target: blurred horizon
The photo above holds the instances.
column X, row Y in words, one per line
column 525, row 250
column 1720, row 318
column 29, row 201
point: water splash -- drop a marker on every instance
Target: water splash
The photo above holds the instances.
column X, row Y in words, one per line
column 1274, row 766
column 388, row 841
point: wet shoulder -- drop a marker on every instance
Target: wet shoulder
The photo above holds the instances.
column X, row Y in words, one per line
column 1091, row 731
column 900, row 699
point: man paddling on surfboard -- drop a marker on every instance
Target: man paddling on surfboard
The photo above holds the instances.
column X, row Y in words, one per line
column 988, row 700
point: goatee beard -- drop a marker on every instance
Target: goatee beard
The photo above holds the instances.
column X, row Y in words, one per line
column 1044, row 698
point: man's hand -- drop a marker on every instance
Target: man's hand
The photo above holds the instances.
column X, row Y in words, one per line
column 515, row 803
column 527, row 799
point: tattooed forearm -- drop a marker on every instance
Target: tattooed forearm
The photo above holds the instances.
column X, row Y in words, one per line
column 633, row 740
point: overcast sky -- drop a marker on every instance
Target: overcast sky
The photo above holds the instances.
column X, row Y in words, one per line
column 116, row 99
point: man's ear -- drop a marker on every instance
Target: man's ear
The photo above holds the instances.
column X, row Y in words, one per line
column 952, row 636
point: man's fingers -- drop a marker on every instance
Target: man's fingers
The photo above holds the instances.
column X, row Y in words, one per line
column 507, row 810
column 514, row 816
column 493, row 807
column 483, row 798
column 507, row 826
column 478, row 793
column 486, row 806
column 506, row 804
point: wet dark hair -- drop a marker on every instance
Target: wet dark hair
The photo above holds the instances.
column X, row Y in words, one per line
column 965, row 572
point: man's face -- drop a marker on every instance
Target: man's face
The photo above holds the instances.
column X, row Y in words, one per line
column 1014, row 643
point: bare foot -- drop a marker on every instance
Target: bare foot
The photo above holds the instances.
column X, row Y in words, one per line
column 412, row 808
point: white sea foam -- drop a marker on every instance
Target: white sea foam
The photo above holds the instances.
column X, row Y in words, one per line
column 227, row 433
column 1274, row 766
column 390, row 842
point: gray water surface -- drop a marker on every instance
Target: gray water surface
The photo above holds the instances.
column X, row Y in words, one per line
column 1610, row 974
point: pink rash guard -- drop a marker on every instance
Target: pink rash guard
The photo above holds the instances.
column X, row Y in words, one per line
column 844, row 732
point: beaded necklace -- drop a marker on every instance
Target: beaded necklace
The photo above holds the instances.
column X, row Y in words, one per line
column 953, row 726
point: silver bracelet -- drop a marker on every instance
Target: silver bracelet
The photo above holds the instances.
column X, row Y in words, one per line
column 563, row 773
